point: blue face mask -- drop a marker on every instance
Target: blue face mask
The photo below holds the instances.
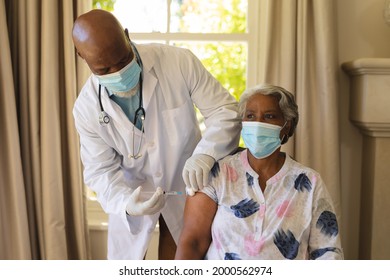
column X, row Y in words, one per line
column 122, row 81
column 262, row 139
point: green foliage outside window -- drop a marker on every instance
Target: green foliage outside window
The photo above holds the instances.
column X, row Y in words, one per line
column 226, row 61
column 107, row 5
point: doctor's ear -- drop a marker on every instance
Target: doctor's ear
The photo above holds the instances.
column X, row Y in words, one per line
column 79, row 55
column 127, row 34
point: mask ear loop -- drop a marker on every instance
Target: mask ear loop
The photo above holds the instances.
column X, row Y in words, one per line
column 285, row 136
column 284, row 139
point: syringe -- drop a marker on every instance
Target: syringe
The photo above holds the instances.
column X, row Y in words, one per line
column 165, row 192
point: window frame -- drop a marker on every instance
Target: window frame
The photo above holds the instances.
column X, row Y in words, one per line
column 250, row 38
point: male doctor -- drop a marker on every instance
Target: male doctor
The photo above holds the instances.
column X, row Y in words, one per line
column 139, row 133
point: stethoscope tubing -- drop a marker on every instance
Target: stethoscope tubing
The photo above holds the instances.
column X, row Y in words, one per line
column 104, row 118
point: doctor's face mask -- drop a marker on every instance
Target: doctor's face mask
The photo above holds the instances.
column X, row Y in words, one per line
column 124, row 82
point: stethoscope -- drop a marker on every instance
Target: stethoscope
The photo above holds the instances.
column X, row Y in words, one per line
column 140, row 113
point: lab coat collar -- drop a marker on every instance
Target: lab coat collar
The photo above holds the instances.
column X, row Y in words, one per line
column 149, row 79
column 149, row 85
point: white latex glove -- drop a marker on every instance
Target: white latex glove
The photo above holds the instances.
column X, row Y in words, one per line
column 196, row 172
column 138, row 206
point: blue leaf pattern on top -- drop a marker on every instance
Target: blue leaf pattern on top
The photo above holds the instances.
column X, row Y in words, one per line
column 319, row 252
column 215, row 170
column 245, row 208
column 232, row 256
column 302, row 182
column 327, row 222
column 287, row 244
column 249, row 179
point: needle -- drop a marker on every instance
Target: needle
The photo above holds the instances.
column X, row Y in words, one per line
column 167, row 193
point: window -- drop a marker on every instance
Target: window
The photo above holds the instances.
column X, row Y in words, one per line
column 221, row 33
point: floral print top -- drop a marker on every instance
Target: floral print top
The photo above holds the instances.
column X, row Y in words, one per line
column 293, row 219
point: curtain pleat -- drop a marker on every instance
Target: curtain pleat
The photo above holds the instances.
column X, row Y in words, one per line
column 298, row 51
column 14, row 242
column 277, row 52
column 46, row 78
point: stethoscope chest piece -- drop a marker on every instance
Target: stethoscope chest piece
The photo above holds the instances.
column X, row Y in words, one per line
column 104, row 118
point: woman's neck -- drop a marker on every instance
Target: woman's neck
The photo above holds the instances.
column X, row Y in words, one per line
column 267, row 167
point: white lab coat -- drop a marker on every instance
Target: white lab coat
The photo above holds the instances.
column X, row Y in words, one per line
column 173, row 81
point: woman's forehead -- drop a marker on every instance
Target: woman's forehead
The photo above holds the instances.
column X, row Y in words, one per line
column 260, row 100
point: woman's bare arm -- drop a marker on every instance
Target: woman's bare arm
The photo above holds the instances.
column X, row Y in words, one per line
column 195, row 237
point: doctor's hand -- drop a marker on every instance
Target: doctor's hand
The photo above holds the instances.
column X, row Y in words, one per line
column 196, row 172
column 138, row 206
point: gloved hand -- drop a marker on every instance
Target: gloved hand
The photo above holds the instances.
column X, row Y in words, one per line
column 196, row 172
column 138, row 206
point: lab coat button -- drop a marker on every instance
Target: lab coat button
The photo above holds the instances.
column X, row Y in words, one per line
column 151, row 144
column 158, row 174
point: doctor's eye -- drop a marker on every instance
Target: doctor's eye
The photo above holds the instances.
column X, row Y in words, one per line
column 249, row 116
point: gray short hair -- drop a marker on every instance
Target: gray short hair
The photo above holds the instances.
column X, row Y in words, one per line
column 286, row 102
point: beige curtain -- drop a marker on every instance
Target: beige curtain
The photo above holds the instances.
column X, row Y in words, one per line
column 298, row 51
column 42, row 201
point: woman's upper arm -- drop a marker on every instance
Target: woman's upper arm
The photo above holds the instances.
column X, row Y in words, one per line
column 196, row 234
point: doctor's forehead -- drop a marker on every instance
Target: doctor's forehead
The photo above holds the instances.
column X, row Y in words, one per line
column 100, row 52
column 97, row 41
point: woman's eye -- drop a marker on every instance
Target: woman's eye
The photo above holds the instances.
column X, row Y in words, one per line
column 269, row 116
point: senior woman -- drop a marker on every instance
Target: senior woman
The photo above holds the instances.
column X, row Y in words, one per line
column 260, row 203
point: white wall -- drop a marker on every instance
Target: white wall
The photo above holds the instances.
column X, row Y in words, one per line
column 362, row 32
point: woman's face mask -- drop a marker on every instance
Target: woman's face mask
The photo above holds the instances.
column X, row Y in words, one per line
column 124, row 81
column 262, row 139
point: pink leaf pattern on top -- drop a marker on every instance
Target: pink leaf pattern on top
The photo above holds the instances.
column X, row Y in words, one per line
column 284, row 209
column 230, row 172
column 253, row 247
column 244, row 159
column 216, row 240
column 261, row 211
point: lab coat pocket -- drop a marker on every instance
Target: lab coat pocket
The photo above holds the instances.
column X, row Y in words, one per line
column 181, row 125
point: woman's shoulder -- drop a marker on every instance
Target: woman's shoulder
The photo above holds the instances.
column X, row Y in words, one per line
column 293, row 163
column 299, row 169
column 229, row 162
column 236, row 155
